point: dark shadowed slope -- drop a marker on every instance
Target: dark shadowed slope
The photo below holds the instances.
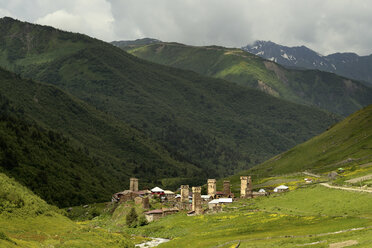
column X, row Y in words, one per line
column 97, row 158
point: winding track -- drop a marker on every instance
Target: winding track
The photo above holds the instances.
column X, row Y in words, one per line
column 346, row 188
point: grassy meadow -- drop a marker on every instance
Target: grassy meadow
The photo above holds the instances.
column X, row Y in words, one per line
column 305, row 215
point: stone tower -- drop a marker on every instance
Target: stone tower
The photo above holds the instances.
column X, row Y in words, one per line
column 133, row 186
column 212, row 187
column 226, row 188
column 243, row 186
column 196, row 200
column 250, row 188
column 184, row 193
column 145, row 203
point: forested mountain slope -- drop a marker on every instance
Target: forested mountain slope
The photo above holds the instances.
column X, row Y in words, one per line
column 311, row 87
column 216, row 125
column 69, row 153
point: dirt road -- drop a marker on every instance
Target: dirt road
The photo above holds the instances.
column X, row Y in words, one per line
column 346, row 188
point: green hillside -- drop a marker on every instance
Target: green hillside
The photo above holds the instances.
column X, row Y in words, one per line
column 347, row 144
column 69, row 153
column 216, row 125
column 325, row 90
column 28, row 221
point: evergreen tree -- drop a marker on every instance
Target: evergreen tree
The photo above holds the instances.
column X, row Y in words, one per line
column 131, row 218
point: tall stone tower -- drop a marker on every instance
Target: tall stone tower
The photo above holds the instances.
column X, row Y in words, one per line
column 133, row 186
column 226, row 188
column 196, row 200
column 212, row 187
column 184, row 193
column 243, row 186
column 250, row 188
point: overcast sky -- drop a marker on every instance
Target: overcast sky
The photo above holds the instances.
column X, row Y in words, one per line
column 326, row 26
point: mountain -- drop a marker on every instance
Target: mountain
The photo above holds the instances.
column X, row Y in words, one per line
column 213, row 124
column 68, row 152
column 311, row 87
column 133, row 43
column 346, row 144
column 345, row 64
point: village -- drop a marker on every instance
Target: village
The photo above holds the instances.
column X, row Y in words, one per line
column 190, row 200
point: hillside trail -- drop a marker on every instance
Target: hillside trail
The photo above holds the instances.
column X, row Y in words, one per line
column 346, row 188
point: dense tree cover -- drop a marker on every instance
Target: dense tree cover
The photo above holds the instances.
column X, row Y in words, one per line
column 44, row 161
column 69, row 153
column 311, row 87
column 216, row 125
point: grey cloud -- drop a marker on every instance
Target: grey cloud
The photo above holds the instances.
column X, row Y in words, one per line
column 324, row 25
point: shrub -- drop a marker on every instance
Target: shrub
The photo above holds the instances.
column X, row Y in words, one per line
column 142, row 221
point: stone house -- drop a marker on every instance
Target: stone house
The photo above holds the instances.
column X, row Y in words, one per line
column 153, row 215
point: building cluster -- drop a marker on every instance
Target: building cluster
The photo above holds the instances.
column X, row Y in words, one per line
column 190, row 200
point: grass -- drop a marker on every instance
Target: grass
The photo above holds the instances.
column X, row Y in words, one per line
column 305, row 215
column 319, row 200
column 28, row 221
column 284, row 220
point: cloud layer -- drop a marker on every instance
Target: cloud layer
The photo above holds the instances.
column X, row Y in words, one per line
column 324, row 25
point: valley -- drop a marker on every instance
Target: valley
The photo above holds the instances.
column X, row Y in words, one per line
column 144, row 143
column 219, row 127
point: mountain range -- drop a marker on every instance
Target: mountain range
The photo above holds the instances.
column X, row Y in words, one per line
column 345, row 64
column 324, row 90
column 131, row 117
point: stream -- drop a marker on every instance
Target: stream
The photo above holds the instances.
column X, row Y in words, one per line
column 152, row 243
